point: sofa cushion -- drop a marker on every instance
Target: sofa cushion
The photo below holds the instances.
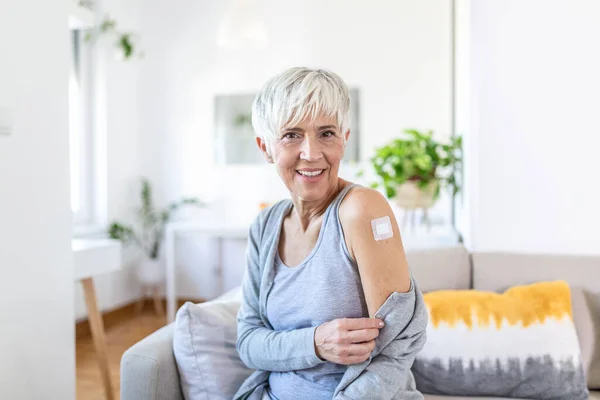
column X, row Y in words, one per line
column 440, row 268
column 204, row 345
column 518, row 344
column 581, row 272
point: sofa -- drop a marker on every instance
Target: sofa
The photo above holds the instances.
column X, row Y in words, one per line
column 149, row 371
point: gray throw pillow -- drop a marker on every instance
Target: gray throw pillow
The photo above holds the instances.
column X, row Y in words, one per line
column 204, row 348
column 586, row 316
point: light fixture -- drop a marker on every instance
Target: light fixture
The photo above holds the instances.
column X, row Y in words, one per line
column 242, row 27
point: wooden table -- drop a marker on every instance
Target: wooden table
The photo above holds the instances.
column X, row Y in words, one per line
column 93, row 257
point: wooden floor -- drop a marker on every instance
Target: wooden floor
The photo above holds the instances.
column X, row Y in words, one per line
column 119, row 338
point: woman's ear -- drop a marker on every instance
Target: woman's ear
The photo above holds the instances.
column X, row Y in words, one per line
column 262, row 145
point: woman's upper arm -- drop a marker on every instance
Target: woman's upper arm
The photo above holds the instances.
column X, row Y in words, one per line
column 382, row 263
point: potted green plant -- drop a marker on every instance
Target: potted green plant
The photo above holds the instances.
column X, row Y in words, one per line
column 148, row 237
column 414, row 167
column 125, row 42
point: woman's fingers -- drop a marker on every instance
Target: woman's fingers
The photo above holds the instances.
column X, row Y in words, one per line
column 346, row 340
column 355, row 353
column 354, row 324
column 349, row 337
column 361, row 349
column 363, row 335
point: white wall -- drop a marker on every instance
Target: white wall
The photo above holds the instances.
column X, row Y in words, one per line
column 36, row 266
column 124, row 146
column 534, row 126
column 396, row 52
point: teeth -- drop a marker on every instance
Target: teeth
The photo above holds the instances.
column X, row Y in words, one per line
column 314, row 173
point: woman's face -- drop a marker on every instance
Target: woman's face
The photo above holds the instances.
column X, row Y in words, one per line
column 307, row 157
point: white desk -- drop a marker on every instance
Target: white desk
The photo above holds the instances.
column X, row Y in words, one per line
column 93, row 257
column 182, row 228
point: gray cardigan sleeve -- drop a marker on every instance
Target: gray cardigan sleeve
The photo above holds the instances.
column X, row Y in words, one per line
column 387, row 374
column 259, row 346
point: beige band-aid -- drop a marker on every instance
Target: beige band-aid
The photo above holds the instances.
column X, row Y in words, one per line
column 382, row 228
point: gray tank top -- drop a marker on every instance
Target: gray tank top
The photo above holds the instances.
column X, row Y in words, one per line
column 324, row 287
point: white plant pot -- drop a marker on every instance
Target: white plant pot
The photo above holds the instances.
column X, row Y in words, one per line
column 410, row 196
column 150, row 271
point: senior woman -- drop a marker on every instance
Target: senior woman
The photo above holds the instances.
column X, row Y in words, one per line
column 329, row 307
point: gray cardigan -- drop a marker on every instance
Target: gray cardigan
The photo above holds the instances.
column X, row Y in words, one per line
column 385, row 375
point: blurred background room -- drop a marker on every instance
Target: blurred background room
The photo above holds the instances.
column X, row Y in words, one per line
column 129, row 173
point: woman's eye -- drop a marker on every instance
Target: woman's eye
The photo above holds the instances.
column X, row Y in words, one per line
column 289, row 135
column 328, row 134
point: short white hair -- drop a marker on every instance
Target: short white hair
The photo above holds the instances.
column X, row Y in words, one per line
column 296, row 94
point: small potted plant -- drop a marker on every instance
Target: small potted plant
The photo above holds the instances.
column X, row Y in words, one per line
column 148, row 237
column 125, row 42
column 413, row 168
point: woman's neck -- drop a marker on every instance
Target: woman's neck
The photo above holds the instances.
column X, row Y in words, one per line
column 304, row 213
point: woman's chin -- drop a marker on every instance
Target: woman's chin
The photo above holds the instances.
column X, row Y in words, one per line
column 311, row 192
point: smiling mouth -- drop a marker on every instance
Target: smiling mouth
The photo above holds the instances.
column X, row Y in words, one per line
column 310, row 173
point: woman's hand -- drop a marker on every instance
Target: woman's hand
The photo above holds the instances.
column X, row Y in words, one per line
column 347, row 340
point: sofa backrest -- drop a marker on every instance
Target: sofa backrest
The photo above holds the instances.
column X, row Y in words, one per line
column 440, row 268
column 499, row 271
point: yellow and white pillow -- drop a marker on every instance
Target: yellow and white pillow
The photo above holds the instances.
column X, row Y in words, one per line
column 519, row 344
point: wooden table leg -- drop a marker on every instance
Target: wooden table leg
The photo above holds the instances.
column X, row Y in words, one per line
column 170, row 273
column 139, row 304
column 97, row 327
column 157, row 301
column 220, row 265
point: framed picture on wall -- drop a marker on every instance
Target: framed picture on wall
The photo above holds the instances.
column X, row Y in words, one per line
column 235, row 142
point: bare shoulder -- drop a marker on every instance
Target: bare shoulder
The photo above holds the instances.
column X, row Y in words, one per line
column 360, row 206
column 363, row 203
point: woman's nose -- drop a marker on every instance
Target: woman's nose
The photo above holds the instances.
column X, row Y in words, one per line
column 311, row 149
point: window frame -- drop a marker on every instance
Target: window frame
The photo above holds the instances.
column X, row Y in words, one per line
column 88, row 68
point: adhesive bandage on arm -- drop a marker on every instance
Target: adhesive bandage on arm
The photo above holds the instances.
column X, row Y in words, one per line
column 382, row 228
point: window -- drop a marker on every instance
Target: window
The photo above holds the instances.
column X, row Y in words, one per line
column 80, row 131
column 83, row 132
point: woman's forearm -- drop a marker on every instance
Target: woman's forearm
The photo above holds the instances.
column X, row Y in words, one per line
column 268, row 350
